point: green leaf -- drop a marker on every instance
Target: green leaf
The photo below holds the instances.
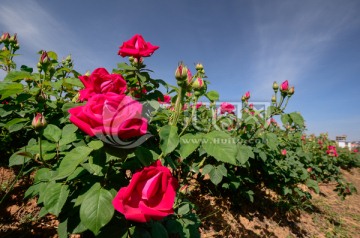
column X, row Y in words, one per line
column 285, row 119
column 221, row 146
column 72, row 160
column 19, row 158
column 297, row 118
column 16, row 76
column 52, row 55
column 96, row 144
column 145, row 156
column 74, row 82
column 96, row 209
column 9, row 89
column 189, row 143
column 185, row 208
column 169, row 138
column 216, row 175
column 55, row 197
column 271, row 141
column 206, row 169
column 244, row 153
column 313, row 184
column 212, row 95
column 52, row 133
column 158, row 230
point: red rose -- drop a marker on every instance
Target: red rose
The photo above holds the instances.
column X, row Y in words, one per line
column 100, row 81
column 150, row 194
column 137, row 47
column 110, row 114
column 226, row 107
column 283, row 152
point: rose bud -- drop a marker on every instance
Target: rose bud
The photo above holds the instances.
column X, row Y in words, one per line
column 243, row 98
column 273, row 99
column 198, row 84
column 39, row 122
column 189, row 78
column 44, row 58
column 181, row 72
column 291, row 91
column 5, row 37
column 275, row 86
column 199, row 67
column 283, row 152
column 284, row 87
column 247, row 95
column 309, row 169
column 13, row 39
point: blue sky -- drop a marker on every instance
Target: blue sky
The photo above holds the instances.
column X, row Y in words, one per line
column 243, row 45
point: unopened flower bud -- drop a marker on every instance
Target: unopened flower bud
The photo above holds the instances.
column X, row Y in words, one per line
column 5, row 37
column 273, row 99
column 44, row 58
column 198, row 84
column 199, row 67
column 291, row 91
column 275, row 86
column 284, row 87
column 13, row 39
column 39, row 122
column 243, row 98
column 181, row 72
column 247, row 95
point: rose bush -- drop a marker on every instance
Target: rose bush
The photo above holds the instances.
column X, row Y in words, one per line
column 150, row 194
column 83, row 171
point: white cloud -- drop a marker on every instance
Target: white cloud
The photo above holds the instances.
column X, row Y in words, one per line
column 37, row 29
column 294, row 37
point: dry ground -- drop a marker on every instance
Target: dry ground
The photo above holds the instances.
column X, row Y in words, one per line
column 329, row 216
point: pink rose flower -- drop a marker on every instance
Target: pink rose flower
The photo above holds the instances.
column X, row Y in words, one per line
column 331, row 151
column 283, row 152
column 110, row 114
column 137, row 47
column 284, row 86
column 226, row 107
column 150, row 194
column 100, row 81
column 166, row 100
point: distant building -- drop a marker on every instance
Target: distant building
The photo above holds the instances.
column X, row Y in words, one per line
column 341, row 142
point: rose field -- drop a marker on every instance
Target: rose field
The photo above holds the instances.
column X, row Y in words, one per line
column 118, row 153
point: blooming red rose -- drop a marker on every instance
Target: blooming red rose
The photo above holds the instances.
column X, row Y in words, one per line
column 110, row 114
column 226, row 107
column 150, row 194
column 100, row 81
column 137, row 47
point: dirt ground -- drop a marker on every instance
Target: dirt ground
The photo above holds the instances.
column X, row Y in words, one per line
column 329, row 216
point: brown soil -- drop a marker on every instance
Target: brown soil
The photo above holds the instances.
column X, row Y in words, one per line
column 329, row 216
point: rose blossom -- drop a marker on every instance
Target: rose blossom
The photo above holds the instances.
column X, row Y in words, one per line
column 100, row 81
column 150, row 194
column 226, row 107
column 110, row 114
column 331, row 151
column 137, row 47
column 166, row 100
column 283, row 152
